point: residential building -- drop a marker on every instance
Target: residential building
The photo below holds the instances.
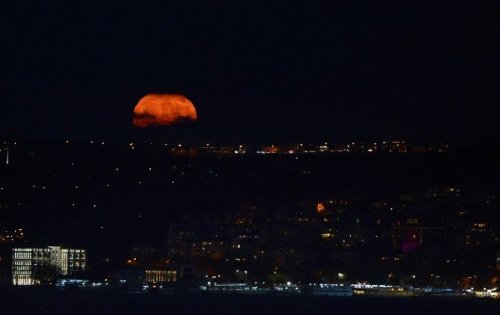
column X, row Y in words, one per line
column 34, row 266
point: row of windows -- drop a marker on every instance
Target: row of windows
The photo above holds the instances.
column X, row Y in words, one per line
column 22, row 249
column 73, row 256
column 38, row 255
column 160, row 275
column 39, row 251
column 21, row 270
column 74, row 250
column 28, row 261
column 77, row 264
column 23, row 262
column 77, row 256
column 39, row 264
column 22, row 280
column 28, row 255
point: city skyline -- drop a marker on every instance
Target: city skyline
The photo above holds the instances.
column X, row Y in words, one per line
column 285, row 156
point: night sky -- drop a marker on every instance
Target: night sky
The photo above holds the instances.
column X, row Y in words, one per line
column 257, row 72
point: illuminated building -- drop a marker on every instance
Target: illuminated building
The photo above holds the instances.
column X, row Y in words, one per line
column 160, row 276
column 9, row 236
column 409, row 238
column 394, row 146
column 32, row 266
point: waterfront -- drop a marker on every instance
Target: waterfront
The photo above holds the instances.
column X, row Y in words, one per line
column 49, row 301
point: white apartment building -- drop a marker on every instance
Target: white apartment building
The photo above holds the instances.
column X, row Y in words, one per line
column 30, row 266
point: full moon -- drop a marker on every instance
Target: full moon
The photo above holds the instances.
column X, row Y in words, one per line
column 163, row 110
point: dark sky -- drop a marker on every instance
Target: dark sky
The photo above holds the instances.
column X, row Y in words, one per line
column 291, row 70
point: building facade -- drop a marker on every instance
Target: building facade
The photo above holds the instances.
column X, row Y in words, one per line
column 34, row 266
column 160, row 275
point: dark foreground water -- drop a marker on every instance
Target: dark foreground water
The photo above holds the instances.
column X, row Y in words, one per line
column 109, row 302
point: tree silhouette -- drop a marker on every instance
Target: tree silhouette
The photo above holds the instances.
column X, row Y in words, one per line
column 45, row 273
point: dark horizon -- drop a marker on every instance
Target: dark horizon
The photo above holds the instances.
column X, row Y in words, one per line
column 172, row 139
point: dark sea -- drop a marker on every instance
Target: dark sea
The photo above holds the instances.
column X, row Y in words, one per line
column 44, row 301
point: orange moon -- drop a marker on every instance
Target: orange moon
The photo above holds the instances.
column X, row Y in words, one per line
column 163, row 110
